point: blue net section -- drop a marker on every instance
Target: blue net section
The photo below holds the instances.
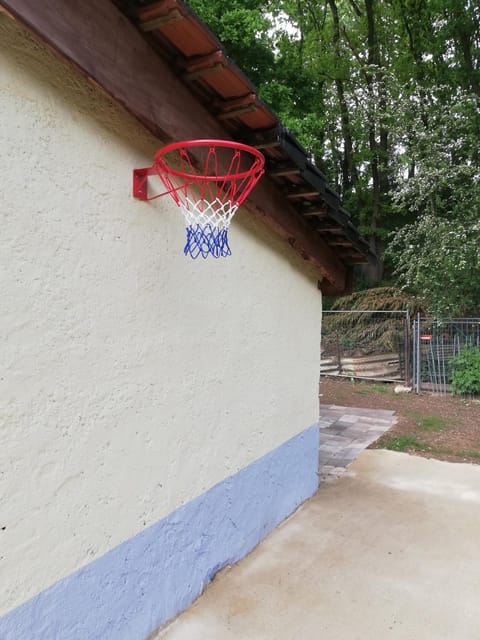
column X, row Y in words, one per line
column 207, row 239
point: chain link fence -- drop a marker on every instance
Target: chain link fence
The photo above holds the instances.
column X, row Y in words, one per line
column 387, row 346
column 367, row 344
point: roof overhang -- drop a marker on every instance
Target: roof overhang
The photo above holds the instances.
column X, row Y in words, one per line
column 169, row 71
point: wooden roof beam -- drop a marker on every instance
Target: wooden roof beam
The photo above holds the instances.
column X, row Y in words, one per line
column 336, row 230
column 287, row 171
column 298, row 195
column 148, row 88
column 203, row 66
column 234, row 113
column 319, row 213
column 328, row 290
column 173, row 15
column 268, row 144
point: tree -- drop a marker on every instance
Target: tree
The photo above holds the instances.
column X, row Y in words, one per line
column 385, row 95
column 438, row 259
column 243, row 28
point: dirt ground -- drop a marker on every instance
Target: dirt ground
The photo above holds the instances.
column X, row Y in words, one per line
column 433, row 426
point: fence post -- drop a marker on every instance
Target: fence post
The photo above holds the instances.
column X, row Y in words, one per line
column 417, row 348
column 339, row 354
column 408, row 347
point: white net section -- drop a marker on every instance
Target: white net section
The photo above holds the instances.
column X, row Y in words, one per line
column 207, row 227
column 217, row 214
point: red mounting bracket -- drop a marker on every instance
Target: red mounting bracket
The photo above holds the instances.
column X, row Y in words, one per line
column 140, row 183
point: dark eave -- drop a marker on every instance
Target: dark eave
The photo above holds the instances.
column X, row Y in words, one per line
column 151, row 57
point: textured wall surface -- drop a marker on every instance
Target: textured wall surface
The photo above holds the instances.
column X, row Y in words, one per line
column 133, row 589
column 133, row 379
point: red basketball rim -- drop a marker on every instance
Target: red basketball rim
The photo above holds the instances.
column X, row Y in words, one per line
column 161, row 162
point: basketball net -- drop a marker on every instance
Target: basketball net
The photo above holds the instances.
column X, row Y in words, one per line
column 208, row 180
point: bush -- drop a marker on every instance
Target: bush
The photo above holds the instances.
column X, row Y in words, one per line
column 466, row 372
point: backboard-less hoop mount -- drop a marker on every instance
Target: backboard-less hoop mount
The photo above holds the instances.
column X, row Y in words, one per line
column 208, row 180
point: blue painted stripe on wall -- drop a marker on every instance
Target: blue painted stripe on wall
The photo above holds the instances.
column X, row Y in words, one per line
column 137, row 586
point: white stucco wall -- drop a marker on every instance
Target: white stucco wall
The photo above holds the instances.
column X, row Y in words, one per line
column 132, row 378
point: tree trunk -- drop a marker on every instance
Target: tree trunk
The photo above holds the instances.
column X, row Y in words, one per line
column 373, row 59
column 349, row 170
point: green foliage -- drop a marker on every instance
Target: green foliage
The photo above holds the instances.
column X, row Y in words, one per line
column 446, row 181
column 378, row 299
column 438, row 259
column 466, row 372
column 243, row 28
column 386, row 98
column 432, row 423
column 365, row 388
column 428, row 423
column 402, row 443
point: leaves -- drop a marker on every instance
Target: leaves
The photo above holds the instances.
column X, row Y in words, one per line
column 438, row 259
column 466, row 371
column 364, row 325
column 386, row 97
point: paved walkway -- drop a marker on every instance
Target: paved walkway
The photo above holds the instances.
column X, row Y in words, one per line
column 388, row 552
column 345, row 432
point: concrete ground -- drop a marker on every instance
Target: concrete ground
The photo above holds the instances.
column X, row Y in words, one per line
column 389, row 550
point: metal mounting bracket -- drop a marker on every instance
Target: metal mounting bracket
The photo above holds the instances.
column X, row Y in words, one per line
column 140, row 183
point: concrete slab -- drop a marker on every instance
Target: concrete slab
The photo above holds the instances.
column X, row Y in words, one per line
column 390, row 550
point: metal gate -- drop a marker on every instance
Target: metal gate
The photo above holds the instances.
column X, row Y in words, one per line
column 435, row 343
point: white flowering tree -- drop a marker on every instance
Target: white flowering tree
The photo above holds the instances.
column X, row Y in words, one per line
column 439, row 259
column 436, row 256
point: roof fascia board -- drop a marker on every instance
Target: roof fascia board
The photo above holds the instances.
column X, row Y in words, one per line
column 101, row 41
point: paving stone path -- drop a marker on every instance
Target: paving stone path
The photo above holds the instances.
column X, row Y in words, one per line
column 345, row 432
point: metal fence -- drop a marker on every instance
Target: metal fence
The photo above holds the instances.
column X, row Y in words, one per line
column 386, row 346
column 435, row 343
column 369, row 344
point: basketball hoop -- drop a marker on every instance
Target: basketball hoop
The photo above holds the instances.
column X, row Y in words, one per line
column 208, row 180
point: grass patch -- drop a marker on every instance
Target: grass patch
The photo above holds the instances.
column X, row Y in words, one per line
column 408, row 443
column 475, row 455
column 432, row 423
column 466, row 454
column 402, row 443
column 369, row 387
column 382, row 388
